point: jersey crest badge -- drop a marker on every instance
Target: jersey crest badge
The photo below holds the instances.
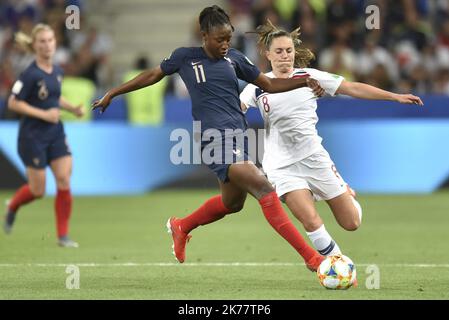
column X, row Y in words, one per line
column 43, row 91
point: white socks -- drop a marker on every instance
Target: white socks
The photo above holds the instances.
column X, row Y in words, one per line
column 323, row 242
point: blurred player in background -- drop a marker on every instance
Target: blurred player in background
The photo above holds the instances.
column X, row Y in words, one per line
column 211, row 75
column 295, row 161
column 42, row 141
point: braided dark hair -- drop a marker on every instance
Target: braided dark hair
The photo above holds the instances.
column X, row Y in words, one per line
column 214, row 16
column 267, row 32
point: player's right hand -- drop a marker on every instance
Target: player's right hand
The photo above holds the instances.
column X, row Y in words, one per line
column 315, row 86
column 52, row 115
column 103, row 103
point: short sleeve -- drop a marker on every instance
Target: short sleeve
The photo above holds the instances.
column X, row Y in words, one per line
column 244, row 68
column 22, row 87
column 329, row 82
column 173, row 63
column 60, row 72
column 248, row 96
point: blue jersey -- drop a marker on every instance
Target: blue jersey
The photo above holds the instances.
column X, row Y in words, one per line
column 213, row 85
column 41, row 90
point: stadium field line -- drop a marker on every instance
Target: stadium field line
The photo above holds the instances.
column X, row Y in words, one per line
column 210, row 264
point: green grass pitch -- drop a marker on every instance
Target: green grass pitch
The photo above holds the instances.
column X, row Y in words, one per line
column 125, row 252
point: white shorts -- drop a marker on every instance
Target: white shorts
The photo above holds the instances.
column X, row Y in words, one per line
column 316, row 173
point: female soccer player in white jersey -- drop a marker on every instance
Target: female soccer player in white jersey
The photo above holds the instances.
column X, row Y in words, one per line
column 294, row 160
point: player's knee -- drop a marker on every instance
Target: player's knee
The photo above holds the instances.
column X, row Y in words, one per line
column 352, row 225
column 235, row 207
column 63, row 182
column 354, row 219
column 263, row 188
column 38, row 192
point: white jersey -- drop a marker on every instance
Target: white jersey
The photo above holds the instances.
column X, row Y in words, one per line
column 290, row 118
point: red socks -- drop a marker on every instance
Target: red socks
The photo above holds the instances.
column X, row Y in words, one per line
column 22, row 196
column 63, row 209
column 63, row 206
column 212, row 210
column 279, row 220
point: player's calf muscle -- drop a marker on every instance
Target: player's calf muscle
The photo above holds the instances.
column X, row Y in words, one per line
column 312, row 224
column 37, row 191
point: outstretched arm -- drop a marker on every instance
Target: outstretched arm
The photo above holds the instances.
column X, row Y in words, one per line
column 366, row 91
column 143, row 79
column 275, row 85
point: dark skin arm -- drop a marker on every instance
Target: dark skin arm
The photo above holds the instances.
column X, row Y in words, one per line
column 151, row 76
column 275, row 85
column 142, row 80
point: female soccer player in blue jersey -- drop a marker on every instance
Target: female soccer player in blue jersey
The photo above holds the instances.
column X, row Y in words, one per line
column 211, row 75
column 42, row 141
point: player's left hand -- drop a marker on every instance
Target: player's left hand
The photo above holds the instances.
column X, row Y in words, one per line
column 409, row 99
column 78, row 111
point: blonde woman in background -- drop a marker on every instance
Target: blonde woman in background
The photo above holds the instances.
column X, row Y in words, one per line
column 36, row 95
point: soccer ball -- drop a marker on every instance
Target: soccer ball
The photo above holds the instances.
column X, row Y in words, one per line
column 337, row 272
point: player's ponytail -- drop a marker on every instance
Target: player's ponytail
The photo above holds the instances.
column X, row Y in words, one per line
column 303, row 56
column 25, row 41
column 268, row 31
column 214, row 16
